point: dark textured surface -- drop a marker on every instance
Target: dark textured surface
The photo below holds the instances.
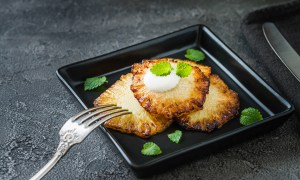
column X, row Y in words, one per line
column 38, row 37
column 286, row 18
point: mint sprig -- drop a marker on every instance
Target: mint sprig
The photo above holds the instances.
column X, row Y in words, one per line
column 175, row 136
column 250, row 115
column 195, row 55
column 183, row 69
column 151, row 149
column 161, row 69
column 94, row 82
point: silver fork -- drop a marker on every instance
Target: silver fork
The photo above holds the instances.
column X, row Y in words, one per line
column 77, row 128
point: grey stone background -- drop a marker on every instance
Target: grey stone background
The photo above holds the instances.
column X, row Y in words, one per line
column 38, row 37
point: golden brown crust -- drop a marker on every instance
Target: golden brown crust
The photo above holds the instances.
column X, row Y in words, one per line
column 189, row 95
column 140, row 122
column 221, row 105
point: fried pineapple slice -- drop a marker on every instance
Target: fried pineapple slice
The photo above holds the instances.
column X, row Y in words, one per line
column 140, row 122
column 221, row 105
column 189, row 94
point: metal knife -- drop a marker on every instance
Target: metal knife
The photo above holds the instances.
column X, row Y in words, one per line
column 282, row 48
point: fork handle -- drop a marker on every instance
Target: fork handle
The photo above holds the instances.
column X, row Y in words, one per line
column 60, row 152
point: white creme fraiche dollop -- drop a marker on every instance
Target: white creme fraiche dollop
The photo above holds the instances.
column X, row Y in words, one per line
column 161, row 83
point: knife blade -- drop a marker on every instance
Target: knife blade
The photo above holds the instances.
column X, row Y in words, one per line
column 282, row 48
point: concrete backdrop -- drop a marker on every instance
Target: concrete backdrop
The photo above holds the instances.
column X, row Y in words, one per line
column 38, row 37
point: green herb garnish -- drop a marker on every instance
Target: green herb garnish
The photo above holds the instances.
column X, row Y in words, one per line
column 161, row 69
column 151, row 149
column 183, row 69
column 250, row 115
column 175, row 136
column 94, row 82
column 194, row 55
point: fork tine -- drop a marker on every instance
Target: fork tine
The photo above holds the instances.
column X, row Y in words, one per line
column 92, row 120
column 89, row 110
column 98, row 123
column 102, row 115
column 98, row 111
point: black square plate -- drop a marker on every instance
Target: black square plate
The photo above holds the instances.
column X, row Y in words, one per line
column 252, row 90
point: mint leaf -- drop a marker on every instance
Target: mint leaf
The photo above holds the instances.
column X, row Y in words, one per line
column 94, row 82
column 175, row 136
column 194, row 55
column 250, row 115
column 161, row 69
column 183, row 69
column 151, row 149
